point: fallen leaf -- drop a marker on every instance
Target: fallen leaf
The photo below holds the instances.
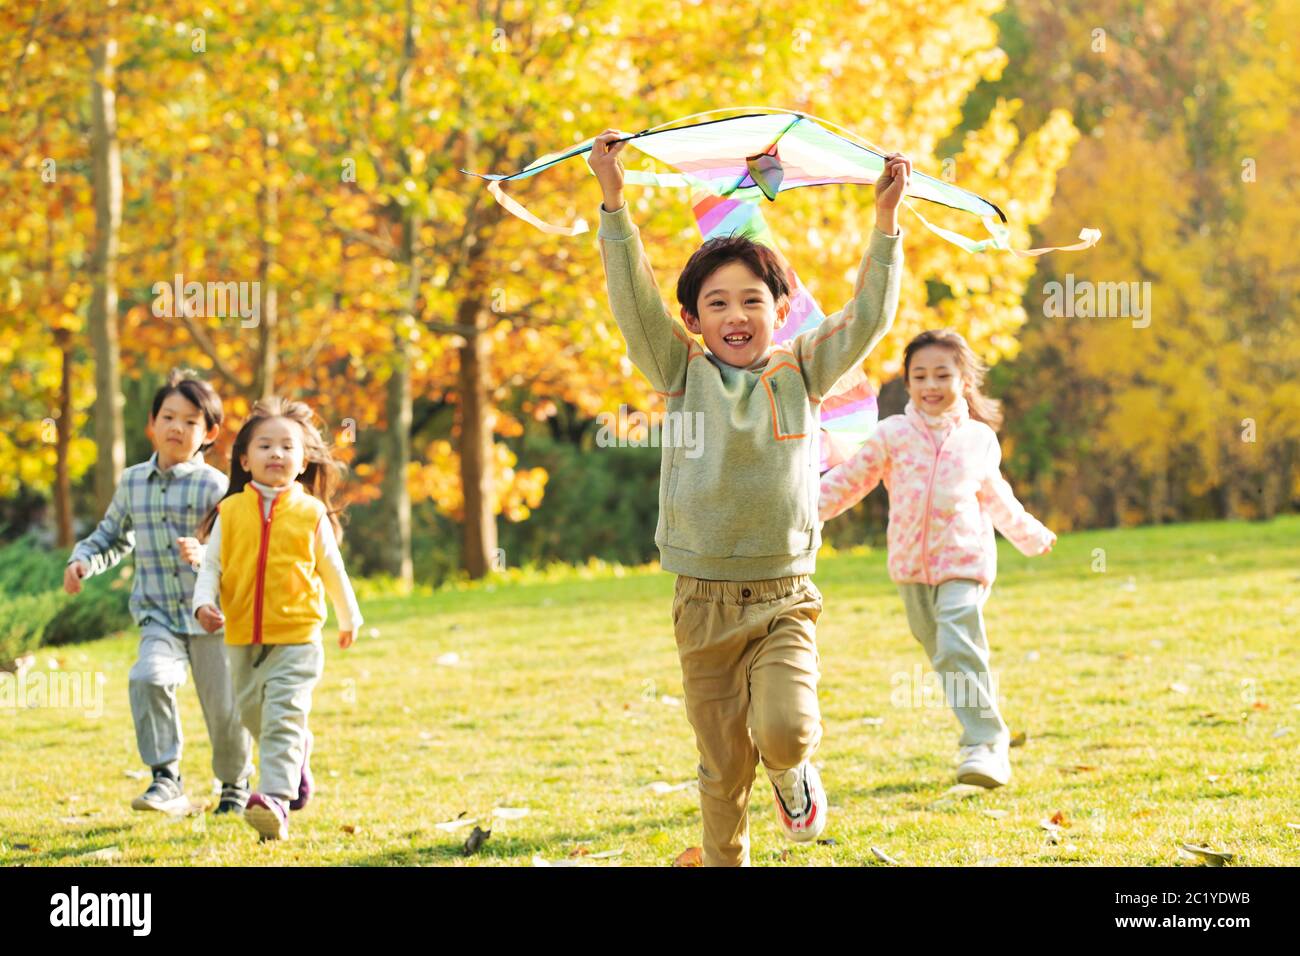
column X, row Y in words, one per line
column 661, row 787
column 451, row 826
column 105, row 853
column 1206, row 855
column 476, row 839
column 987, row 861
column 605, row 855
column 883, row 857
column 1019, row 738
column 691, row 857
column 1078, row 768
column 510, row 813
column 1179, row 688
column 450, row 659
column 995, row 814
column 579, row 851
column 1059, row 819
column 538, row 861
column 829, row 841
column 873, row 721
column 1260, row 705
column 348, row 828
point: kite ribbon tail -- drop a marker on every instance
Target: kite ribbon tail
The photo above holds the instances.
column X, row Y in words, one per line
column 1002, row 238
column 515, row 207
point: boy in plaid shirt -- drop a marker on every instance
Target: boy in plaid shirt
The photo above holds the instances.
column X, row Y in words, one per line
column 155, row 510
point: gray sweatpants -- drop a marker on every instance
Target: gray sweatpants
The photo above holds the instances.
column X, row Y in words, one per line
column 152, row 683
column 948, row 620
column 273, row 685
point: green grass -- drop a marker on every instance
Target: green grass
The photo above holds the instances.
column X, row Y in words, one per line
column 557, row 706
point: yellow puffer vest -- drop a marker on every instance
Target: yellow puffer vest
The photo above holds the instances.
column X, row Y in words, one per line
column 271, row 592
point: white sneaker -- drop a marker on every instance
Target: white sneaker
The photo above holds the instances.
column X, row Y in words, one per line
column 984, row 765
column 800, row 802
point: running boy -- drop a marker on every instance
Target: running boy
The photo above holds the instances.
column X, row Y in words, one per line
column 738, row 522
column 155, row 511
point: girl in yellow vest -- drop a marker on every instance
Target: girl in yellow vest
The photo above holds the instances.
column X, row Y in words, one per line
column 273, row 554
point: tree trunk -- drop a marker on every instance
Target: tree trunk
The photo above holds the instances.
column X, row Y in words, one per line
column 478, row 553
column 107, row 163
column 63, row 437
column 395, row 556
column 268, row 216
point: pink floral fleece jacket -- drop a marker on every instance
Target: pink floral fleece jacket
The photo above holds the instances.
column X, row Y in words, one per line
column 946, row 495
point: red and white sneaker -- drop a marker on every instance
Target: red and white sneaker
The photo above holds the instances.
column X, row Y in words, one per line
column 800, row 802
column 268, row 816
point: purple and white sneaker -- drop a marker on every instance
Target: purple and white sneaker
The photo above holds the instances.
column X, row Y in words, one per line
column 267, row 815
column 305, row 784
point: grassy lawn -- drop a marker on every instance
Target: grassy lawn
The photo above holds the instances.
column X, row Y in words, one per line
column 1160, row 698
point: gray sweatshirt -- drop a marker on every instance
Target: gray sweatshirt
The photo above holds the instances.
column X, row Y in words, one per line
column 742, row 504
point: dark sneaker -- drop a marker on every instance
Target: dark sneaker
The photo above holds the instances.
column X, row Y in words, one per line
column 234, row 797
column 164, row 795
column 268, row 816
column 306, row 784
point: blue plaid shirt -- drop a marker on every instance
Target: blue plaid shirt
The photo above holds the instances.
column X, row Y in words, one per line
column 151, row 508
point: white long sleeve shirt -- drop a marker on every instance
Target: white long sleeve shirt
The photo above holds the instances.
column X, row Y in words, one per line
column 329, row 564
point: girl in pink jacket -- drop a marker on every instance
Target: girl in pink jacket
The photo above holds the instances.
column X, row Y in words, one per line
column 939, row 461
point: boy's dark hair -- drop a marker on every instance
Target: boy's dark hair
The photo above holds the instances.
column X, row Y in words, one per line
column 762, row 260
column 194, row 390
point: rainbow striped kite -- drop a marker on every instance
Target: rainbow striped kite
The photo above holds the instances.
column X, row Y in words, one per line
column 730, row 164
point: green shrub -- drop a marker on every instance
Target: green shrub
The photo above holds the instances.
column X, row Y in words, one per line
column 23, row 620
column 29, row 571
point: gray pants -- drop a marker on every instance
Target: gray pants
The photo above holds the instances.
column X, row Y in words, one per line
column 273, row 685
column 158, row 671
column 948, row 620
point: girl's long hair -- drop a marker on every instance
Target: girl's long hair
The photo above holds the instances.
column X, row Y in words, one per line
column 982, row 408
column 323, row 472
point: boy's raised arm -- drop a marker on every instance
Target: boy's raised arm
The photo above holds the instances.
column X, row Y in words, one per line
column 656, row 344
column 845, row 338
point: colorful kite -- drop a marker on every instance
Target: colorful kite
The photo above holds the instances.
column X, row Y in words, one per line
column 731, row 164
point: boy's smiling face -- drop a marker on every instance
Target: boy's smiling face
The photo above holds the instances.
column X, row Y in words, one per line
column 736, row 314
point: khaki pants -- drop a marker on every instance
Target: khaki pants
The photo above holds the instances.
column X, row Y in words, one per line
column 749, row 673
column 273, row 685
